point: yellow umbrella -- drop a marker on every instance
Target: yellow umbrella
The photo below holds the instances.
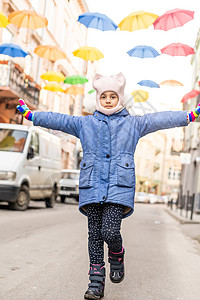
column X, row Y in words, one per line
column 88, row 53
column 49, row 52
column 74, row 90
column 28, row 19
column 137, row 20
column 3, row 20
column 140, row 95
column 53, row 87
column 53, row 76
column 171, row 83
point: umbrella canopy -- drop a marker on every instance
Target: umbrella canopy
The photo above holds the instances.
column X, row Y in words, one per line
column 190, row 95
column 177, row 49
column 88, row 53
column 49, row 52
column 53, row 87
column 53, row 76
column 137, row 20
column 28, row 19
column 173, row 18
column 149, row 83
column 3, row 20
column 140, row 95
column 97, row 21
column 171, row 83
column 76, row 79
column 12, row 50
column 74, row 90
column 143, row 51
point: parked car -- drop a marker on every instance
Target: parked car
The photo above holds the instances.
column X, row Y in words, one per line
column 153, row 198
column 142, row 197
column 30, row 165
column 69, row 184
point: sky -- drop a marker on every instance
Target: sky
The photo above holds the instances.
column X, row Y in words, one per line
column 115, row 44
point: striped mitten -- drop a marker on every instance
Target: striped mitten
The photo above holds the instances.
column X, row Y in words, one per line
column 193, row 115
column 24, row 110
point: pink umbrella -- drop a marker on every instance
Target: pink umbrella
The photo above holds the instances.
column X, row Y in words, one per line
column 190, row 95
column 173, row 18
column 177, row 49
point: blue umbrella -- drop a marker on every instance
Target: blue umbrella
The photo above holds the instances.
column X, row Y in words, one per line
column 12, row 50
column 143, row 51
column 149, row 83
column 97, row 21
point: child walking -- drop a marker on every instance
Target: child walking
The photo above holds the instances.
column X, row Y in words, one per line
column 107, row 177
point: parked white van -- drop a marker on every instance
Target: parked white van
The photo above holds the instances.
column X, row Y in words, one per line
column 30, row 165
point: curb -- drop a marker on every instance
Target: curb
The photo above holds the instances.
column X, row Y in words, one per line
column 180, row 219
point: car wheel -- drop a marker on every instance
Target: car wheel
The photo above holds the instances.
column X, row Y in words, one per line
column 22, row 200
column 50, row 202
column 62, row 199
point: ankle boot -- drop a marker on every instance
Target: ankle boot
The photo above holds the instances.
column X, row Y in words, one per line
column 116, row 261
column 97, row 282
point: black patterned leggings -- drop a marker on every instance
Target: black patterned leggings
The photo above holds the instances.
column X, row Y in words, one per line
column 104, row 224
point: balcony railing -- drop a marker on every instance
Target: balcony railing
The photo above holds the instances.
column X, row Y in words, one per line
column 13, row 77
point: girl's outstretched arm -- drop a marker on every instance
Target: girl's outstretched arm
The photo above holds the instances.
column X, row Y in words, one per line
column 56, row 121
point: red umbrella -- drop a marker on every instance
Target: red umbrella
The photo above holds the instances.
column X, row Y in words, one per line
column 173, row 18
column 190, row 95
column 177, row 49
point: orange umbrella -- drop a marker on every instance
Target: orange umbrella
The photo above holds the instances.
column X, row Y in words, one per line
column 3, row 20
column 28, row 19
column 50, row 52
column 171, row 83
column 74, row 90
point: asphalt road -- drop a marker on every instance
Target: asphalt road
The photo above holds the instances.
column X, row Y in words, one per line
column 43, row 256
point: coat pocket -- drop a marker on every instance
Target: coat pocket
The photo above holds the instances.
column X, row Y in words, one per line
column 126, row 171
column 85, row 179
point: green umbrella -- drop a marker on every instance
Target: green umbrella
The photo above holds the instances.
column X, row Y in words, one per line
column 91, row 91
column 76, row 79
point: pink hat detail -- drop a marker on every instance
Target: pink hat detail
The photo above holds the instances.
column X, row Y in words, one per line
column 115, row 83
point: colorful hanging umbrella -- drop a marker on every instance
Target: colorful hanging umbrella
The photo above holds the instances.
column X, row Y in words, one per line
column 143, row 51
column 50, row 52
column 149, row 83
column 91, row 91
column 173, row 18
column 76, row 79
column 97, row 21
column 137, row 20
column 177, row 49
column 190, row 95
column 53, row 87
column 28, row 19
column 171, row 83
column 3, row 20
column 88, row 53
column 12, row 50
column 140, row 95
column 74, row 90
column 53, row 76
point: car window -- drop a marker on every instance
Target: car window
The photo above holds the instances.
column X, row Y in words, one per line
column 35, row 142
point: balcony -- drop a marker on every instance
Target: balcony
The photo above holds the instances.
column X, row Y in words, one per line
column 15, row 84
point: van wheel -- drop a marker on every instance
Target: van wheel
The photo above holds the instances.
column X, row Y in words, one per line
column 50, row 202
column 62, row 198
column 22, row 200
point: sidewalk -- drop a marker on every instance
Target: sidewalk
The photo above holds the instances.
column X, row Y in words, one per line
column 181, row 217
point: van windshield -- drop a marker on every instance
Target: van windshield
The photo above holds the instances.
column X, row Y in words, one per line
column 70, row 175
column 12, row 140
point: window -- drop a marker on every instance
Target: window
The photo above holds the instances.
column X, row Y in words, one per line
column 12, row 140
column 51, row 16
column 35, row 143
column 28, row 64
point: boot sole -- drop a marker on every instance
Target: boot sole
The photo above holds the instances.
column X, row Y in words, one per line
column 93, row 297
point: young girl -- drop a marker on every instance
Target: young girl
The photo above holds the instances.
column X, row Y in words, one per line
column 107, row 178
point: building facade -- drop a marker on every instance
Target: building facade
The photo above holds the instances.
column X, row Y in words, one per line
column 20, row 77
column 191, row 171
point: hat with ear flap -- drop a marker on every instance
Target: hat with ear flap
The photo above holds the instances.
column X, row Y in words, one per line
column 115, row 83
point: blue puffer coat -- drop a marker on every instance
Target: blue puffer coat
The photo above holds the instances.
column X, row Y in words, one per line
column 107, row 168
